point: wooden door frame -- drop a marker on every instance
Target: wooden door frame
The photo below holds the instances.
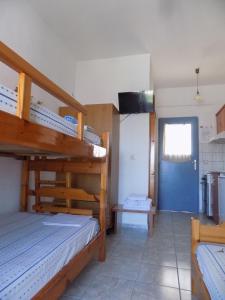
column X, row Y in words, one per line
column 152, row 158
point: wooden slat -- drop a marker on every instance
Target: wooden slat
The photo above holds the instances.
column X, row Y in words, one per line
column 52, row 182
column 212, row 234
column 80, row 127
column 64, row 193
column 24, row 97
column 65, row 166
column 16, row 62
column 207, row 233
column 46, row 207
column 24, row 186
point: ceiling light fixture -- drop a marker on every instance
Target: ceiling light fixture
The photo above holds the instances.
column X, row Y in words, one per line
column 198, row 97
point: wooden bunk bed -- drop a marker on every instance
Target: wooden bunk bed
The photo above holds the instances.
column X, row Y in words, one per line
column 38, row 147
column 207, row 234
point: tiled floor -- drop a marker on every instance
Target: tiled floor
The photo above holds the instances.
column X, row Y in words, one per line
column 139, row 267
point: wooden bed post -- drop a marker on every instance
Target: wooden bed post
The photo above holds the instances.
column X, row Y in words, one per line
column 103, row 197
column 195, row 237
column 37, row 184
column 195, row 234
column 24, row 186
column 68, row 185
column 24, row 97
column 80, row 128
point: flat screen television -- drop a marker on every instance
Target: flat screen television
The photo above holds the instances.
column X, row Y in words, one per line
column 136, row 102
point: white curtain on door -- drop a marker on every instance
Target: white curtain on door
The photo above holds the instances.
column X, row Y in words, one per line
column 177, row 142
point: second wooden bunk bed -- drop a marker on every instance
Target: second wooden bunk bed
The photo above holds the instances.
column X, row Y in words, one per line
column 38, row 147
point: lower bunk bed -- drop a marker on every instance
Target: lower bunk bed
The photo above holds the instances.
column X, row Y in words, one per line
column 40, row 254
column 208, row 261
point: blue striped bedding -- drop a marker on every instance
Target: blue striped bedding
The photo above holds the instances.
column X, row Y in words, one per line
column 211, row 261
column 41, row 115
column 31, row 253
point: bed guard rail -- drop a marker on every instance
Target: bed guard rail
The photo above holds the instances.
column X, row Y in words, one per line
column 28, row 75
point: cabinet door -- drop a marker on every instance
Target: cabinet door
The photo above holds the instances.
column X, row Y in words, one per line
column 220, row 118
column 99, row 116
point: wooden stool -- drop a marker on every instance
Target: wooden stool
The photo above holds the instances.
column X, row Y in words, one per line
column 150, row 216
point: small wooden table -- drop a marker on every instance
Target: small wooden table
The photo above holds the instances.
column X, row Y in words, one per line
column 150, row 216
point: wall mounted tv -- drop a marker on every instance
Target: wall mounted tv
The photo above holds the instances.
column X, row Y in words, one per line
column 136, row 102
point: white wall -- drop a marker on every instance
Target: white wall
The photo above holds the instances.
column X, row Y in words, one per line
column 179, row 102
column 25, row 32
column 99, row 81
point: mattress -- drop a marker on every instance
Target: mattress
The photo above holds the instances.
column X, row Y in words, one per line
column 43, row 116
column 31, row 253
column 211, row 261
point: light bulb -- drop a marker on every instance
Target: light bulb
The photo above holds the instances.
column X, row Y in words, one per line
column 198, row 97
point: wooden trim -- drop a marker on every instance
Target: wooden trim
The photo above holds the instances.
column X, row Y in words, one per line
column 76, row 167
column 17, row 63
column 48, row 207
column 24, row 97
column 24, row 186
column 57, row 285
column 67, row 193
column 104, row 195
column 152, row 156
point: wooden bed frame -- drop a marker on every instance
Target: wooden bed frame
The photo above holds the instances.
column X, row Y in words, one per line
column 203, row 233
column 35, row 144
column 21, row 137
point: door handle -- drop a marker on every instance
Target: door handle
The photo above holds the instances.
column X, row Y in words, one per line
column 195, row 164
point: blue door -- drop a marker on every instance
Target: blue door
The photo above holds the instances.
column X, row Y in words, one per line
column 178, row 164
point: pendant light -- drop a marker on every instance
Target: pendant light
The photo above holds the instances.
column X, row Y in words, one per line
column 198, row 97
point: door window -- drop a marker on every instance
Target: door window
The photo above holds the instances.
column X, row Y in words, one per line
column 177, row 142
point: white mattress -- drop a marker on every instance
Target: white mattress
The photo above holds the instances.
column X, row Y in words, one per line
column 43, row 116
column 31, row 253
column 211, row 261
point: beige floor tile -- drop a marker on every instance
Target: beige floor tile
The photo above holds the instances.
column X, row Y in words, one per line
column 145, row 291
column 166, row 276
column 184, row 279
column 186, row 295
column 161, row 258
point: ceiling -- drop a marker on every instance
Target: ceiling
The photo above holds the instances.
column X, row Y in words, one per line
column 180, row 35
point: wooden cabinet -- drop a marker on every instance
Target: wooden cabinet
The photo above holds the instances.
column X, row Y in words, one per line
column 220, row 119
column 105, row 117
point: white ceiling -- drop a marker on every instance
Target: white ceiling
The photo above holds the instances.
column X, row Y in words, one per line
column 179, row 34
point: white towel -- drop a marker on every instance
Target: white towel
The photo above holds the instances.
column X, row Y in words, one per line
column 137, row 197
column 67, row 220
column 138, row 204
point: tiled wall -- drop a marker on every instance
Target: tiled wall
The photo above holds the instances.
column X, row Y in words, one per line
column 211, row 157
